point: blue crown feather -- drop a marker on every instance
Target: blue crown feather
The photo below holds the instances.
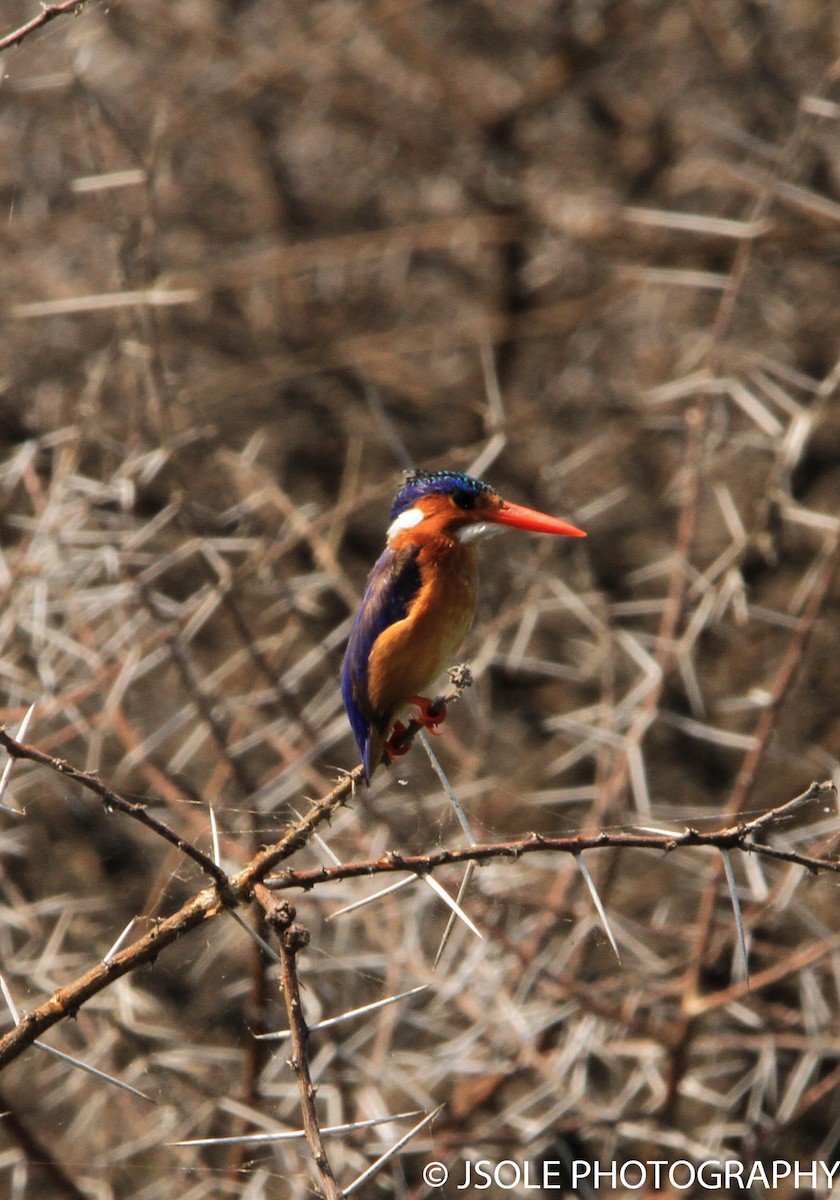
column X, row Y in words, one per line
column 427, row 483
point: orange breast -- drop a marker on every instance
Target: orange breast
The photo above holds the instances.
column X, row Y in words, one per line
column 409, row 656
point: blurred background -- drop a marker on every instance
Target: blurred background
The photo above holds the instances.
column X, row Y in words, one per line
column 259, row 257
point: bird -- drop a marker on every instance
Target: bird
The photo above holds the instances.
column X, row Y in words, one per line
column 420, row 600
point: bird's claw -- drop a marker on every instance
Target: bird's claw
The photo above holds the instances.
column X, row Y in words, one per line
column 392, row 749
column 431, row 715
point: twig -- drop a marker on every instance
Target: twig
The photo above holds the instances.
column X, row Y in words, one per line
column 294, row 938
column 113, row 800
column 7, row 770
column 240, row 888
column 66, row 1001
column 775, row 815
column 728, row 837
column 230, row 891
column 294, row 838
column 48, row 13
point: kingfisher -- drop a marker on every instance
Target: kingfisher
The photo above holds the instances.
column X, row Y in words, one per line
column 420, row 600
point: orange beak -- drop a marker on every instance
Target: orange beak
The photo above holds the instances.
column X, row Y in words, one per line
column 519, row 517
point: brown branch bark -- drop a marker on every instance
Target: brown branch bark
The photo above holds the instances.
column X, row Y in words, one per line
column 113, row 800
column 293, row 938
column 66, row 1001
column 240, row 888
column 48, row 13
column 728, row 837
column 228, row 891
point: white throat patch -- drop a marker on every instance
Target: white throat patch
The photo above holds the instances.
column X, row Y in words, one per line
column 406, row 520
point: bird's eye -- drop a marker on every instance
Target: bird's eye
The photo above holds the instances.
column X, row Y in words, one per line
column 464, row 499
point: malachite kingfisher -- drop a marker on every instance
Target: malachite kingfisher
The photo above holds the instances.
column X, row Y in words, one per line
column 420, row 600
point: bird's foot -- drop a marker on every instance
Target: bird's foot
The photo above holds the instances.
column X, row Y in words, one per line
column 431, row 715
column 392, row 747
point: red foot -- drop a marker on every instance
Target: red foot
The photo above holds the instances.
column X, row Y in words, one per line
column 391, row 750
column 431, row 714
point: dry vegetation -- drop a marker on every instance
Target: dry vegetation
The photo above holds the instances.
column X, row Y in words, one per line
column 257, row 256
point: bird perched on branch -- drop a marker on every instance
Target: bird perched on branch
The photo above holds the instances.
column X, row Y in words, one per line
column 420, row 601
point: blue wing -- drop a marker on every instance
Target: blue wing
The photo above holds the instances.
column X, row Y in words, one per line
column 391, row 586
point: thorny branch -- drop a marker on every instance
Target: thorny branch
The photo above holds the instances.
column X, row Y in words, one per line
column 293, row 939
column 247, row 884
column 229, row 891
column 232, row 891
column 729, row 837
column 113, row 800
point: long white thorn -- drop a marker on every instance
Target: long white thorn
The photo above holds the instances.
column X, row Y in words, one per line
column 736, row 908
column 389, row 1154
column 596, row 900
column 453, row 904
column 345, row 1016
column 7, row 770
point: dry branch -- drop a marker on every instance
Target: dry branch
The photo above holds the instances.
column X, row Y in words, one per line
column 238, row 889
column 48, row 13
column 113, row 801
column 229, row 892
column 293, row 939
column 730, row 837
